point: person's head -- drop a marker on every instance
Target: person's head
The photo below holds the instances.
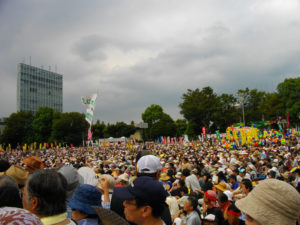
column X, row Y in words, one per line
column 232, row 179
column 9, row 192
column 45, row 193
column 143, row 199
column 271, row 202
column 210, row 198
column 246, row 185
column 82, row 201
column 222, row 199
column 150, row 166
column 33, row 163
column 186, row 172
column 190, row 204
column 72, row 177
column 4, row 165
column 233, row 214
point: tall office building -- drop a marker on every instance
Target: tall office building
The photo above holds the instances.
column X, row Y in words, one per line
column 38, row 88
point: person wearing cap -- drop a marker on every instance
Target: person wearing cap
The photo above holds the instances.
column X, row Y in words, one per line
column 272, row 202
column 144, row 201
column 81, row 204
column 45, row 195
column 209, row 206
column 147, row 166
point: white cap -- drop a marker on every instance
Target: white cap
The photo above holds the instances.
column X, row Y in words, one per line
column 148, row 164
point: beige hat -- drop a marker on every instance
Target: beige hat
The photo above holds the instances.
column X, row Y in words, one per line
column 19, row 173
column 272, row 202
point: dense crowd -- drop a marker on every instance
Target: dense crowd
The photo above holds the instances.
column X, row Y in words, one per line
column 154, row 183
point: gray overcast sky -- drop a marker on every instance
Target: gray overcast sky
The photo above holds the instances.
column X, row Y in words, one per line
column 138, row 53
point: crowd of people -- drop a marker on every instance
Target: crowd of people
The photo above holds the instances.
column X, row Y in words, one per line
column 153, row 183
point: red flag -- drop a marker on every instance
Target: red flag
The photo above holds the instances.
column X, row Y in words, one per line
column 288, row 121
column 47, row 145
column 204, row 133
column 72, row 146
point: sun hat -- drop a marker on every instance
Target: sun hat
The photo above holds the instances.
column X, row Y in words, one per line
column 272, row 202
column 148, row 164
column 124, row 177
column 229, row 195
column 87, row 176
column 145, row 188
column 19, row 173
column 33, row 162
column 178, row 175
column 11, row 215
column 72, row 177
column 221, row 186
column 84, row 198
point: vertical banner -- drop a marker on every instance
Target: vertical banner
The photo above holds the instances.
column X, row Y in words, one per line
column 204, row 133
column 90, row 102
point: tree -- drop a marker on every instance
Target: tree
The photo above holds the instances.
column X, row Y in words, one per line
column 42, row 124
column 289, row 92
column 98, row 130
column 199, row 108
column 159, row 123
column 271, row 106
column 181, row 127
column 70, row 128
column 18, row 129
column 124, row 130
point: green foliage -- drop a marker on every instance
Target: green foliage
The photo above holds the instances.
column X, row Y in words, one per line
column 181, row 126
column 18, row 129
column 289, row 92
column 98, row 130
column 42, row 124
column 120, row 129
column 159, row 123
column 70, row 128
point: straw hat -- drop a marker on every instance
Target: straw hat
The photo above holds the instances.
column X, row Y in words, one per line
column 19, row 173
column 221, row 186
column 272, row 202
column 33, row 162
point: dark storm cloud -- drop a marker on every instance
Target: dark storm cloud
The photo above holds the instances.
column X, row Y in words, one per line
column 137, row 53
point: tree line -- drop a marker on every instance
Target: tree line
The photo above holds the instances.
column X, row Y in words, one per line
column 199, row 108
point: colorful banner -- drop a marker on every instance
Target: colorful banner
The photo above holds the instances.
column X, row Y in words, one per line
column 90, row 102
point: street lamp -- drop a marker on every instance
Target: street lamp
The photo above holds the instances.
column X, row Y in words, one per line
column 241, row 98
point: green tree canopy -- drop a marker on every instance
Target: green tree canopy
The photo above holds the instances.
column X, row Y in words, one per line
column 98, row 130
column 18, row 129
column 70, row 128
column 42, row 124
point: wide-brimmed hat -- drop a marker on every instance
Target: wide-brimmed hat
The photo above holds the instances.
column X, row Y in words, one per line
column 84, row 198
column 33, row 162
column 272, row 202
column 221, row 186
column 19, row 173
column 228, row 194
column 178, row 175
column 124, row 177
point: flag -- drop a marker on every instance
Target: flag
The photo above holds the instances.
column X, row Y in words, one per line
column 204, row 133
column 89, row 134
column 288, row 121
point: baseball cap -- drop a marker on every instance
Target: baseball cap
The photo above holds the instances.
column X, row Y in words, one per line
column 145, row 188
column 148, row 164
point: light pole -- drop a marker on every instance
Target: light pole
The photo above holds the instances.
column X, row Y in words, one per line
column 241, row 97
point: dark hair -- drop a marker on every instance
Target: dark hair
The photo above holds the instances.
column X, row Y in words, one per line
column 4, row 165
column 222, row 197
column 146, row 175
column 232, row 176
column 50, row 187
column 9, row 192
column 186, row 172
column 157, row 209
column 272, row 173
column 248, row 184
column 181, row 183
column 222, row 176
column 194, row 202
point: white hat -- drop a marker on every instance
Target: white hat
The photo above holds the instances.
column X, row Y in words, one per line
column 148, row 164
column 228, row 194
